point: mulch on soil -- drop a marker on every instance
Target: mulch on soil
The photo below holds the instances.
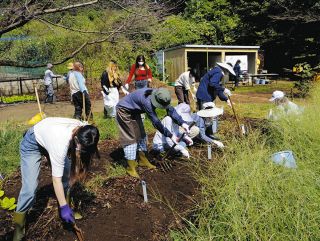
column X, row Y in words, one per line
column 116, row 211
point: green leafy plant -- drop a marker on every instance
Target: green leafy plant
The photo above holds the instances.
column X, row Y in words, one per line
column 17, row 98
column 305, row 75
column 7, row 203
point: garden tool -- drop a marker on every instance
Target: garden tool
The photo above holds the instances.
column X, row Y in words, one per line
column 166, row 165
column 78, row 232
column 41, row 115
column 235, row 115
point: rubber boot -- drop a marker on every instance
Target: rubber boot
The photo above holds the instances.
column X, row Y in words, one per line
column 131, row 169
column 19, row 218
column 144, row 162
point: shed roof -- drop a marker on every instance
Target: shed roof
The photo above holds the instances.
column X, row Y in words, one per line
column 196, row 46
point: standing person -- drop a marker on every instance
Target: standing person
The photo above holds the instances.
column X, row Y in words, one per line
column 211, row 85
column 183, row 85
column 78, row 89
column 237, row 71
column 70, row 68
column 132, row 133
column 48, row 83
column 110, row 84
column 70, row 146
column 141, row 72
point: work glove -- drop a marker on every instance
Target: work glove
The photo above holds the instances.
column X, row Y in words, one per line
column 174, row 138
column 186, row 127
column 188, row 140
column 185, row 153
column 227, row 92
column 229, row 103
column 218, row 143
column 66, row 214
column 126, row 86
column 124, row 91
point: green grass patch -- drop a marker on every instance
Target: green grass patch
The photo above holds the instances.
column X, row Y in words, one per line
column 10, row 137
column 245, row 196
column 17, row 98
column 269, row 88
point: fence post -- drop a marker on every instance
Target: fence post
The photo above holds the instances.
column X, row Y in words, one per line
column 21, row 91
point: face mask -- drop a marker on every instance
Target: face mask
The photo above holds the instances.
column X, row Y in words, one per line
column 140, row 63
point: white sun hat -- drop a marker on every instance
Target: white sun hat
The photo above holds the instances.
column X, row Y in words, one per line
column 210, row 110
column 227, row 67
column 184, row 111
column 278, row 94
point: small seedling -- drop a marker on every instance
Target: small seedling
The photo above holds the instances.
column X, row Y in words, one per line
column 7, row 203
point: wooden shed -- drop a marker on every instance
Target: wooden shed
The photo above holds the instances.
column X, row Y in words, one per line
column 174, row 61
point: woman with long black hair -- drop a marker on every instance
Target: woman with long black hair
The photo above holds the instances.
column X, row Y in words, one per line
column 70, row 146
column 141, row 72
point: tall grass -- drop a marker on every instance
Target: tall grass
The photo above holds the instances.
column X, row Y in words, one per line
column 247, row 197
column 10, row 137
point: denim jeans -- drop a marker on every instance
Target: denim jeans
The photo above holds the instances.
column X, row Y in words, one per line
column 140, row 84
column 30, row 154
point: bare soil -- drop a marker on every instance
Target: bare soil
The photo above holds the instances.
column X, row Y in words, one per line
column 116, row 211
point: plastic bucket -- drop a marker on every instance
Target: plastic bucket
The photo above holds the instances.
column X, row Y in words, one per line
column 262, row 81
column 284, row 158
column 257, row 81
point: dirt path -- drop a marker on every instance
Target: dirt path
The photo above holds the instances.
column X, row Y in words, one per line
column 24, row 111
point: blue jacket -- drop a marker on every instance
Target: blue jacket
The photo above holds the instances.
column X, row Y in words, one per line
column 237, row 70
column 137, row 102
column 210, row 87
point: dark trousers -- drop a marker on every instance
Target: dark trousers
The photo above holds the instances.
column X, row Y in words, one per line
column 182, row 95
column 78, row 105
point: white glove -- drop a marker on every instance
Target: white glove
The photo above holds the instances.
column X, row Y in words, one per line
column 218, row 143
column 188, row 140
column 227, row 92
column 174, row 139
column 124, row 91
column 106, row 89
column 229, row 103
column 126, row 86
column 185, row 153
column 185, row 126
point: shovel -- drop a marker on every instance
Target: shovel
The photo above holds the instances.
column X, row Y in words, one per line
column 40, row 116
column 235, row 115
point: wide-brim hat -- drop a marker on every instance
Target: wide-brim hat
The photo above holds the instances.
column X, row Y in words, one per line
column 161, row 98
column 70, row 66
column 211, row 112
column 184, row 111
column 227, row 67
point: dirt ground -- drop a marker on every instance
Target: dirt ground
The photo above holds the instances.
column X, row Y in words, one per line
column 116, row 211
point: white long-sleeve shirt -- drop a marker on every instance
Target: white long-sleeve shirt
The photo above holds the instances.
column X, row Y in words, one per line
column 185, row 80
column 48, row 75
column 160, row 139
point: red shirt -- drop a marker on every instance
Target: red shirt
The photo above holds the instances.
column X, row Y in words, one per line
column 139, row 74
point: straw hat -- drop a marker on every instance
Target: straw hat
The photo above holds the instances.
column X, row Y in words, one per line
column 210, row 110
column 276, row 95
column 70, row 66
column 227, row 67
column 184, row 110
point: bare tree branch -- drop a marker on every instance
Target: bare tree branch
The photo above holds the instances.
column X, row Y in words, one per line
column 70, row 56
column 23, row 15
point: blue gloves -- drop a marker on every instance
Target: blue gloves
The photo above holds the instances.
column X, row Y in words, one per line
column 66, row 214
